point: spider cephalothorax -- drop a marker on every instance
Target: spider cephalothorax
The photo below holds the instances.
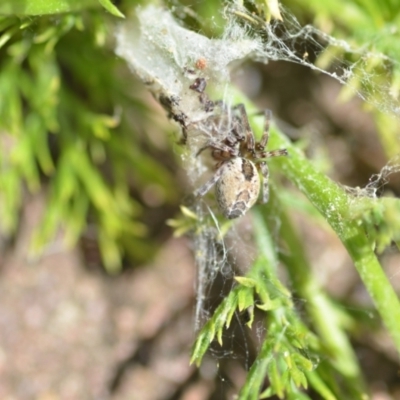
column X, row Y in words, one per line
column 240, row 157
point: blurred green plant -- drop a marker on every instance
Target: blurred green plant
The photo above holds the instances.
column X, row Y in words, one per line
column 60, row 127
column 373, row 28
column 63, row 120
column 37, row 7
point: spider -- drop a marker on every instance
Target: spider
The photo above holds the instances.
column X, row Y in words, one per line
column 239, row 158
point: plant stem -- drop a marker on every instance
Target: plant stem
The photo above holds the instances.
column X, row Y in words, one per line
column 333, row 203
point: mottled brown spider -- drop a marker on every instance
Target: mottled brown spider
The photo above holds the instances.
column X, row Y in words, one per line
column 239, row 158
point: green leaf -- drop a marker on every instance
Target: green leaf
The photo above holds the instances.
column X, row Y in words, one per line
column 39, row 142
column 41, row 7
column 111, row 8
column 77, row 220
column 7, row 35
column 110, row 252
column 245, row 298
column 276, row 380
column 232, row 308
column 11, row 190
column 201, row 345
column 302, row 362
column 271, row 305
column 91, row 179
column 23, row 159
column 298, row 377
column 248, row 282
column 318, row 384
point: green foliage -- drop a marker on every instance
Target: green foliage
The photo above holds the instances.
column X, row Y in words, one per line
column 62, row 116
column 64, row 126
column 285, row 353
column 291, row 353
column 373, row 28
column 42, row 7
column 380, row 219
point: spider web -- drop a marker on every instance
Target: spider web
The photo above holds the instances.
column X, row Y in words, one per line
column 168, row 58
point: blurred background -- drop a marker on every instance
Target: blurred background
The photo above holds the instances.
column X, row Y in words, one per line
column 97, row 295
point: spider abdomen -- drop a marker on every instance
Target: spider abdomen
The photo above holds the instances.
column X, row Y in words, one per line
column 238, row 187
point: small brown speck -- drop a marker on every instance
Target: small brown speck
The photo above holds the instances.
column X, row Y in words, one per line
column 201, row 63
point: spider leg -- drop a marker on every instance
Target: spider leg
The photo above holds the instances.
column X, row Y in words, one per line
column 218, row 146
column 220, row 104
column 245, row 125
column 272, row 153
column 265, row 186
column 237, row 130
column 221, row 156
column 230, row 123
column 264, row 139
column 202, row 190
